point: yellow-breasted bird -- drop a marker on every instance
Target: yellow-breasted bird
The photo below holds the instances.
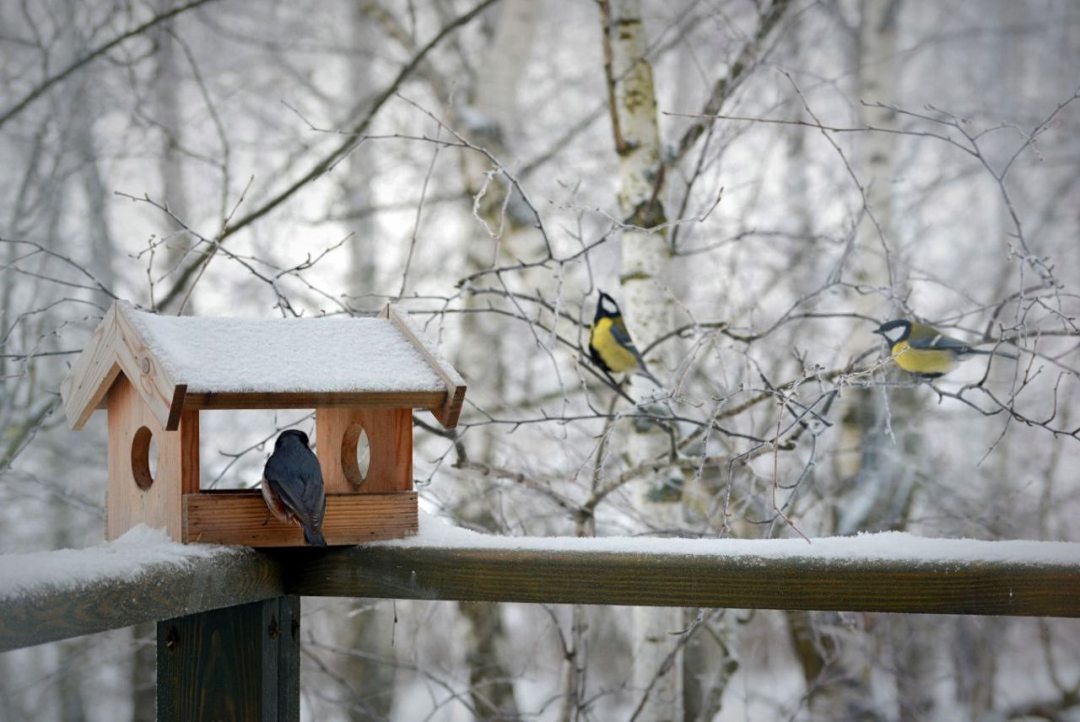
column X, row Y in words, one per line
column 925, row 351
column 610, row 345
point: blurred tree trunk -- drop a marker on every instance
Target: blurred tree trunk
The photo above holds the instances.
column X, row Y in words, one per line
column 96, row 220
column 658, row 664
column 491, row 680
column 877, row 486
column 974, row 644
column 358, row 186
column 165, row 99
column 870, row 265
column 144, row 672
column 708, row 659
column 489, row 120
column 369, row 674
column 91, row 241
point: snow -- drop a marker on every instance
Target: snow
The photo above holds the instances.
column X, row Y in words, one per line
column 285, row 355
column 124, row 559
column 894, row 547
column 142, row 550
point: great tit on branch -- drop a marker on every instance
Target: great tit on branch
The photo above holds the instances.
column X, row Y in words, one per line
column 610, row 345
column 292, row 485
column 925, row 351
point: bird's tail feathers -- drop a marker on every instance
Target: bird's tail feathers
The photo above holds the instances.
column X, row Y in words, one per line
column 313, row 536
column 994, row 352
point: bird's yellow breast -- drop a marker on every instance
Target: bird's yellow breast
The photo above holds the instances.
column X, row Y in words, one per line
column 927, row 362
column 614, row 355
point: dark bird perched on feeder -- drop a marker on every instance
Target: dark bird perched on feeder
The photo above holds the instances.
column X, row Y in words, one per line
column 610, row 345
column 292, row 485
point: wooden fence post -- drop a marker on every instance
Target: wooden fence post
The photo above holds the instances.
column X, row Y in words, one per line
column 236, row 663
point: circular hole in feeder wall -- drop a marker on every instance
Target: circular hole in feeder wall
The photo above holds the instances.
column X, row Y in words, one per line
column 355, row 454
column 143, row 458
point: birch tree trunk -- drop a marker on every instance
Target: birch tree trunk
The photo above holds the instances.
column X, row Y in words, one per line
column 885, row 483
column 648, row 309
column 489, row 122
column 165, row 94
column 879, row 485
column 869, row 257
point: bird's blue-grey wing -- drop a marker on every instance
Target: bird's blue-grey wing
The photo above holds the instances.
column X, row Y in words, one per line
column 939, row 342
column 618, row 330
column 299, row 484
column 314, row 492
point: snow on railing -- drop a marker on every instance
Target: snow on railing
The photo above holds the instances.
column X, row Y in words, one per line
column 143, row 576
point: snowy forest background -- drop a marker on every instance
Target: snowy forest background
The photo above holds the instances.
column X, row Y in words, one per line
column 809, row 170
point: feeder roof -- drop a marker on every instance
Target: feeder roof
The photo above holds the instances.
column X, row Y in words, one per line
column 185, row 362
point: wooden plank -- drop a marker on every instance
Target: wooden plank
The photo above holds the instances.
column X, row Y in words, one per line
column 158, row 505
column 288, row 677
column 83, row 389
column 448, row 411
column 552, row 576
column 117, row 347
column 190, row 462
column 238, row 663
column 241, row 517
column 148, row 586
column 44, row 598
column 159, row 392
column 389, row 439
column 312, row 399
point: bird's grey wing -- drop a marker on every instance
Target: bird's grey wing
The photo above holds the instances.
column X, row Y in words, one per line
column 618, row 330
column 939, row 342
column 313, row 492
column 300, row 488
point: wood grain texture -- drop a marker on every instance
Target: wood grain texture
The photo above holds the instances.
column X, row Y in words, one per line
column 176, row 462
column 117, row 348
column 159, row 392
column 237, row 663
column 142, row 593
column 83, row 389
column 389, row 435
column 312, row 399
column 661, row 579
column 229, row 576
column 241, row 517
column 448, row 411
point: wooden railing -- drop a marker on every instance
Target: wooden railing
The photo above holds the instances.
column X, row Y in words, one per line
column 235, row 609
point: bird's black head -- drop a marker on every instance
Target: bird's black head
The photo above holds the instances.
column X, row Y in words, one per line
column 294, row 434
column 606, row 307
column 895, row 331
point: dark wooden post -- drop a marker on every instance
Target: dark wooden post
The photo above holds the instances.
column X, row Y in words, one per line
column 232, row 664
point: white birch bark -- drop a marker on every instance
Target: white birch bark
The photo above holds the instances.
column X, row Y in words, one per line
column 870, row 265
column 648, row 310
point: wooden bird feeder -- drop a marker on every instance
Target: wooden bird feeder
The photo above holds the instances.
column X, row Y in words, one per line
column 363, row 377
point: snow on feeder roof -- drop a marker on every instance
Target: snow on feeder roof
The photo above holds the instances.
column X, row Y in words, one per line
column 184, row 363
